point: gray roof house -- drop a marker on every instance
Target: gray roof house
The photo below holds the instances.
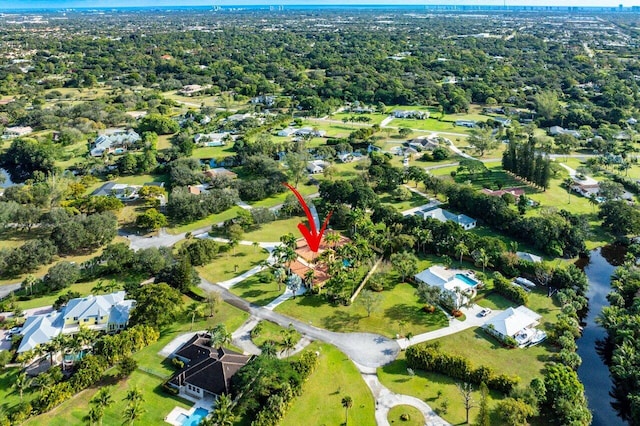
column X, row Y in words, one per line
column 108, row 312
column 121, row 191
column 443, row 215
column 109, row 141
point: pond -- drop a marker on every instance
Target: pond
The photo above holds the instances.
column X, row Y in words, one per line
column 593, row 372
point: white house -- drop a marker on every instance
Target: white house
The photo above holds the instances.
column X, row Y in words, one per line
column 114, row 140
column 420, row 115
column 108, row 312
column 210, row 139
column 16, row 132
column 121, row 191
column 465, row 123
column 528, row 257
column 316, row 166
column 191, row 89
column 461, row 284
column 286, row 132
column 442, row 215
column 309, row 131
column 267, row 100
column 518, row 323
column 557, row 130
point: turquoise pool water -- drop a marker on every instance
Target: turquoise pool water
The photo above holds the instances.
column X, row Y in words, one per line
column 195, row 418
column 465, row 279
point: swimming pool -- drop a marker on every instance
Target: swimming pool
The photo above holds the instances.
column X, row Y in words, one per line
column 467, row 280
column 195, row 418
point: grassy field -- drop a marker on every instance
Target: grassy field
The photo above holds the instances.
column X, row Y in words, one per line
column 257, row 292
column 142, row 179
column 280, row 198
column 206, row 222
column 334, row 378
column 374, row 117
column 399, row 313
column 228, row 265
column 416, row 200
column 271, row 331
column 433, row 389
column 429, row 124
column 415, row 417
column 272, row 231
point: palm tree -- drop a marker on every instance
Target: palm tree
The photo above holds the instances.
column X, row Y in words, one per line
column 347, row 403
column 462, row 249
column 223, row 414
column 95, row 415
column 134, row 396
column 268, row 349
column 332, row 238
column 100, row 402
column 21, row 383
column 28, row 282
column 288, row 343
column 133, row 412
column 568, row 183
column 280, row 274
column 483, row 258
column 593, row 200
column 194, row 308
column 219, row 336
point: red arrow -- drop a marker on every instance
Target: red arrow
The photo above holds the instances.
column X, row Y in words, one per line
column 313, row 237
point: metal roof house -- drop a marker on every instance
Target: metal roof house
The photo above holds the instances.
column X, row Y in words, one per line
column 443, row 215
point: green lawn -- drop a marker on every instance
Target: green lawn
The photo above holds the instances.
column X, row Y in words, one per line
column 374, row 117
column 320, row 402
column 217, row 152
column 416, row 200
column 280, row 198
column 271, row 331
column 426, row 387
column 415, row 417
column 399, row 313
column 271, row 232
column 164, row 142
column 429, row 124
column 142, row 179
column 228, row 265
column 257, row 292
column 11, row 237
column 206, row 222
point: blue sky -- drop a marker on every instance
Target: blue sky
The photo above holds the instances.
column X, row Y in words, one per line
column 13, row 4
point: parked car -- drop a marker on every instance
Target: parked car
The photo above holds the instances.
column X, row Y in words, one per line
column 14, row 330
column 484, row 312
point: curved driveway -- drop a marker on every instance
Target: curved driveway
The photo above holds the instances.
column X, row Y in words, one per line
column 367, row 349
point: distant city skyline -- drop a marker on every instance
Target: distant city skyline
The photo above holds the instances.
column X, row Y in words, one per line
column 39, row 4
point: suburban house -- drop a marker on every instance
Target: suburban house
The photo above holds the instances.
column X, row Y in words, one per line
column 207, row 371
column 420, row 115
column 114, row 140
column 585, row 185
column 465, row 123
column 220, row 172
column 197, row 189
column 503, row 121
column 461, row 284
column 309, row 131
column 108, row 312
column 516, row 192
column 122, row 191
column 316, row 166
column 529, row 257
column 443, row 215
column 16, row 132
column 238, row 117
column 557, row 130
column 286, row 132
column 211, row 139
column 345, row 157
column 266, row 100
column 191, row 89
column 517, row 323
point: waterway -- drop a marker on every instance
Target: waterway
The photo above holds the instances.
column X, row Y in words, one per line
column 593, row 372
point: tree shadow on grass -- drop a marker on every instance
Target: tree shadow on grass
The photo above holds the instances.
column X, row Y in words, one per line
column 406, row 313
column 481, row 334
column 341, row 321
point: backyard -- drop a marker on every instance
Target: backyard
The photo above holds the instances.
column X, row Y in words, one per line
column 228, row 265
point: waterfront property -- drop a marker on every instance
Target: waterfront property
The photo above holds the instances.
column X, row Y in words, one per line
column 460, row 284
column 517, row 323
column 108, row 312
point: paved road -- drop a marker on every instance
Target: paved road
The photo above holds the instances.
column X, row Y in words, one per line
column 7, row 289
column 367, row 349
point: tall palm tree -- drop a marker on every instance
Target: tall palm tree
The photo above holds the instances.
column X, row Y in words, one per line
column 568, row 182
column 194, row 309
column 483, row 257
column 134, row 396
column 100, row 402
column 21, row 383
column 133, row 412
column 332, row 238
column 347, row 403
column 288, row 341
column 219, row 336
column 95, row 415
column 269, row 349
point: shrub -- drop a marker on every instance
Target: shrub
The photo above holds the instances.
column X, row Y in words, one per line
column 512, row 292
column 429, row 309
column 456, row 313
column 405, row 417
column 177, row 363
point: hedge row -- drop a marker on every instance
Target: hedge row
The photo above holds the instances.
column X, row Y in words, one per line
column 430, row 358
column 512, row 292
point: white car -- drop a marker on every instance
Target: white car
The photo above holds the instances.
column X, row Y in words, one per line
column 14, row 330
column 484, row 312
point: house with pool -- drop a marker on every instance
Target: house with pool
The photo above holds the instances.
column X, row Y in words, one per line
column 462, row 284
